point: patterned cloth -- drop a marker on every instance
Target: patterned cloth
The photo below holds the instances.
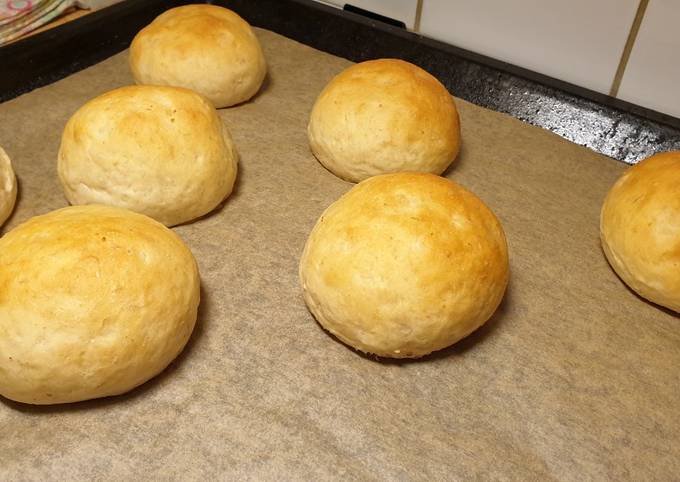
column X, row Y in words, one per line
column 18, row 17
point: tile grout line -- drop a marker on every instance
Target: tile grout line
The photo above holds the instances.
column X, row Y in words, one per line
column 419, row 11
column 628, row 47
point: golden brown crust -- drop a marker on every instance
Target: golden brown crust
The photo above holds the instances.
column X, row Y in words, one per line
column 8, row 187
column 404, row 264
column 384, row 116
column 94, row 301
column 205, row 48
column 640, row 228
column 160, row 151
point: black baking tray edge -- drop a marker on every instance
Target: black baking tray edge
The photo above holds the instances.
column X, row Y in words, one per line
column 605, row 124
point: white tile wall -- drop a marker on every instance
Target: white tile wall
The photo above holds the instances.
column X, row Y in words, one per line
column 579, row 41
column 404, row 10
column 652, row 76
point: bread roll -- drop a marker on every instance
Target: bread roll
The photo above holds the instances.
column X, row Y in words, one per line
column 384, row 116
column 8, row 187
column 95, row 301
column 160, row 151
column 404, row 264
column 205, row 48
column 640, row 229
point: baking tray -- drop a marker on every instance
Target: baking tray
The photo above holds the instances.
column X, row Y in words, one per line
column 574, row 378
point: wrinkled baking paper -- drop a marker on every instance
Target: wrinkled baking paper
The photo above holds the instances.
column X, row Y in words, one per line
column 574, row 378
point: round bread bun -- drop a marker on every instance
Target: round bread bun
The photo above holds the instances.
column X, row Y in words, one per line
column 160, row 151
column 640, row 229
column 384, row 116
column 404, row 264
column 8, row 187
column 205, row 48
column 95, row 301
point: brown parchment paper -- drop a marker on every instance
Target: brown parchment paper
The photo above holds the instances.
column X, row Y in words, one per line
column 574, row 378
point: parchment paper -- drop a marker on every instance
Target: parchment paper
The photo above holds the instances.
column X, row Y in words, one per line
column 574, row 378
